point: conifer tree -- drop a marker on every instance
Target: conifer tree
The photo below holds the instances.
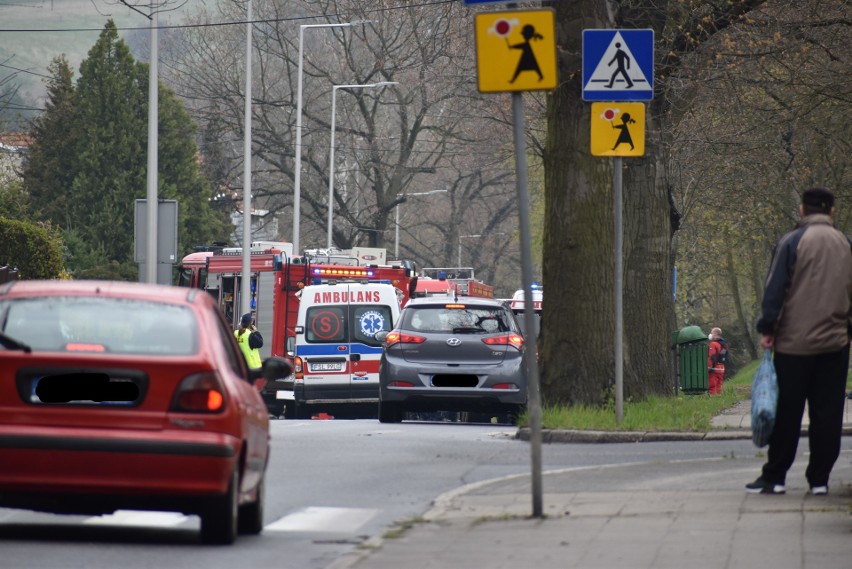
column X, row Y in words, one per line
column 90, row 161
column 50, row 167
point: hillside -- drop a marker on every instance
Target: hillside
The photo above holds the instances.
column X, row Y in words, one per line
column 33, row 32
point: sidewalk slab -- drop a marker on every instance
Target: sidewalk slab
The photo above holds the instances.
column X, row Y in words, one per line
column 685, row 515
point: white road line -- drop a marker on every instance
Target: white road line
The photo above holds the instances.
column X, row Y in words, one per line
column 139, row 518
column 319, row 519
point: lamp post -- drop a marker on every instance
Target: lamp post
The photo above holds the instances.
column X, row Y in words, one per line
column 152, row 202
column 245, row 283
column 331, row 152
column 297, row 171
column 396, row 220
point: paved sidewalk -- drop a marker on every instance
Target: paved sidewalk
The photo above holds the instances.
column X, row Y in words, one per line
column 638, row 516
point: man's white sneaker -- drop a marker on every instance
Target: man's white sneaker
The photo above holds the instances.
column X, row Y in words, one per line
column 819, row 490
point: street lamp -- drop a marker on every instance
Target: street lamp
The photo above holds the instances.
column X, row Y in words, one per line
column 396, row 221
column 331, row 152
column 297, row 173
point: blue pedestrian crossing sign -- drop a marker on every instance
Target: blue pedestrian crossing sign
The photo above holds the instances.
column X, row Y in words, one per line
column 618, row 65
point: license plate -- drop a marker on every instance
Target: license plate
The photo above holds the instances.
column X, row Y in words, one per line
column 327, row 366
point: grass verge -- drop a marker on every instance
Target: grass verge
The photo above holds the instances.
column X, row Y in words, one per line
column 675, row 413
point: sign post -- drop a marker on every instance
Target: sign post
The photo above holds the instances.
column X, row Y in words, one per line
column 516, row 52
column 618, row 66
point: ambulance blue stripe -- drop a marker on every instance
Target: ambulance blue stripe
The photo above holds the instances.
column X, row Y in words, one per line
column 320, row 350
column 364, row 349
column 331, row 350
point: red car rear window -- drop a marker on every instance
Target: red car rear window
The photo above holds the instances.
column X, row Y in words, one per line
column 102, row 324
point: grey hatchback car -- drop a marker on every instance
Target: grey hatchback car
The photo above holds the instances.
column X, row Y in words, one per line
column 453, row 354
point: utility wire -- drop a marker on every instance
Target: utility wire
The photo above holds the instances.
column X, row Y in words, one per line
column 221, row 24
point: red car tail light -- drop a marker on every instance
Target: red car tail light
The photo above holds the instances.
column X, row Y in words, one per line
column 514, row 340
column 298, row 369
column 199, row 393
column 402, row 338
column 504, row 386
column 400, row 384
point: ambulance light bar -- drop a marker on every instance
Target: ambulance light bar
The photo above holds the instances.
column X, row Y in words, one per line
column 342, row 272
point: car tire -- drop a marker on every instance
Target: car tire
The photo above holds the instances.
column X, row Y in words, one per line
column 250, row 516
column 300, row 411
column 389, row 412
column 219, row 519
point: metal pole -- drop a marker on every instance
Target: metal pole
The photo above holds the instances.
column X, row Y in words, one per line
column 331, row 152
column 534, row 397
column 245, row 295
column 396, row 240
column 297, row 170
column 331, row 165
column 152, row 176
column 619, row 286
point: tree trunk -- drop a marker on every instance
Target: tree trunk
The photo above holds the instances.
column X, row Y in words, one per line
column 577, row 348
column 577, row 363
column 649, row 317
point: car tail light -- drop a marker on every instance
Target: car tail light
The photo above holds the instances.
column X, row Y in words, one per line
column 504, row 386
column 514, row 340
column 298, row 369
column 199, row 393
column 396, row 337
column 400, row 384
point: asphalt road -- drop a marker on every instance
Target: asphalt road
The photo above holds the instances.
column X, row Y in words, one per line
column 331, row 485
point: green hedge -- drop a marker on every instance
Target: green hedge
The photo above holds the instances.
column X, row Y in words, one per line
column 31, row 248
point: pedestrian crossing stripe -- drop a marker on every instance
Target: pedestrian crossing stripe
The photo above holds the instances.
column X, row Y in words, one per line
column 618, row 65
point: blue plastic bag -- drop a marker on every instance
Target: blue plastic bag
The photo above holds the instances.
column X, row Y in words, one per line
column 764, row 401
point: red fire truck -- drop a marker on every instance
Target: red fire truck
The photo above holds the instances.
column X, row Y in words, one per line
column 276, row 278
column 451, row 280
column 277, row 275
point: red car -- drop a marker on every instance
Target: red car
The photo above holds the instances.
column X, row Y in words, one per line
column 119, row 395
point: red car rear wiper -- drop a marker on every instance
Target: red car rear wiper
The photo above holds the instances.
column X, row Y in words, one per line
column 10, row 343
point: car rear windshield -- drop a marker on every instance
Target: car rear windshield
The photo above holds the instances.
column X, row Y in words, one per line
column 457, row 319
column 102, row 324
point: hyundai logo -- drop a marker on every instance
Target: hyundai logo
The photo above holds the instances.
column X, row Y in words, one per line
column 453, row 342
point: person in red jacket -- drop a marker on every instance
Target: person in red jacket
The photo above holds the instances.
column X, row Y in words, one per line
column 717, row 355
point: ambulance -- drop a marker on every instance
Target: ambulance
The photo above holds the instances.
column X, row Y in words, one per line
column 337, row 354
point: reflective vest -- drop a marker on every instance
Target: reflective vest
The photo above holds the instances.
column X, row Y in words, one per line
column 252, row 355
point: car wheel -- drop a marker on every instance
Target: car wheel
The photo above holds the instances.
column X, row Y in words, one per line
column 389, row 412
column 250, row 517
column 300, row 411
column 219, row 519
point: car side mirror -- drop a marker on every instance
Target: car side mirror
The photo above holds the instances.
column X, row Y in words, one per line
column 381, row 335
column 276, row 367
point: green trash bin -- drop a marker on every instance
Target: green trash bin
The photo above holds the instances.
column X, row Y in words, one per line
column 692, row 347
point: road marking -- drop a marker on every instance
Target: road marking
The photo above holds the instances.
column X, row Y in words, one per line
column 323, row 519
column 139, row 518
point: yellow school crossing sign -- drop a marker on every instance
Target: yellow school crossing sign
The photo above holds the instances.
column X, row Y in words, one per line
column 618, row 129
column 516, row 51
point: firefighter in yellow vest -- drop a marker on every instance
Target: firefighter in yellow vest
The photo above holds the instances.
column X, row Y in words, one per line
column 249, row 340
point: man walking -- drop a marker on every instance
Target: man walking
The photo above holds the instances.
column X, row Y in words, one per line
column 807, row 305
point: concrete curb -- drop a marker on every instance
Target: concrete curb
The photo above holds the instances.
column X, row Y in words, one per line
column 582, row 436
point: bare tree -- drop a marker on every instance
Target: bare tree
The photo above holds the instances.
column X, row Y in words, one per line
column 430, row 130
